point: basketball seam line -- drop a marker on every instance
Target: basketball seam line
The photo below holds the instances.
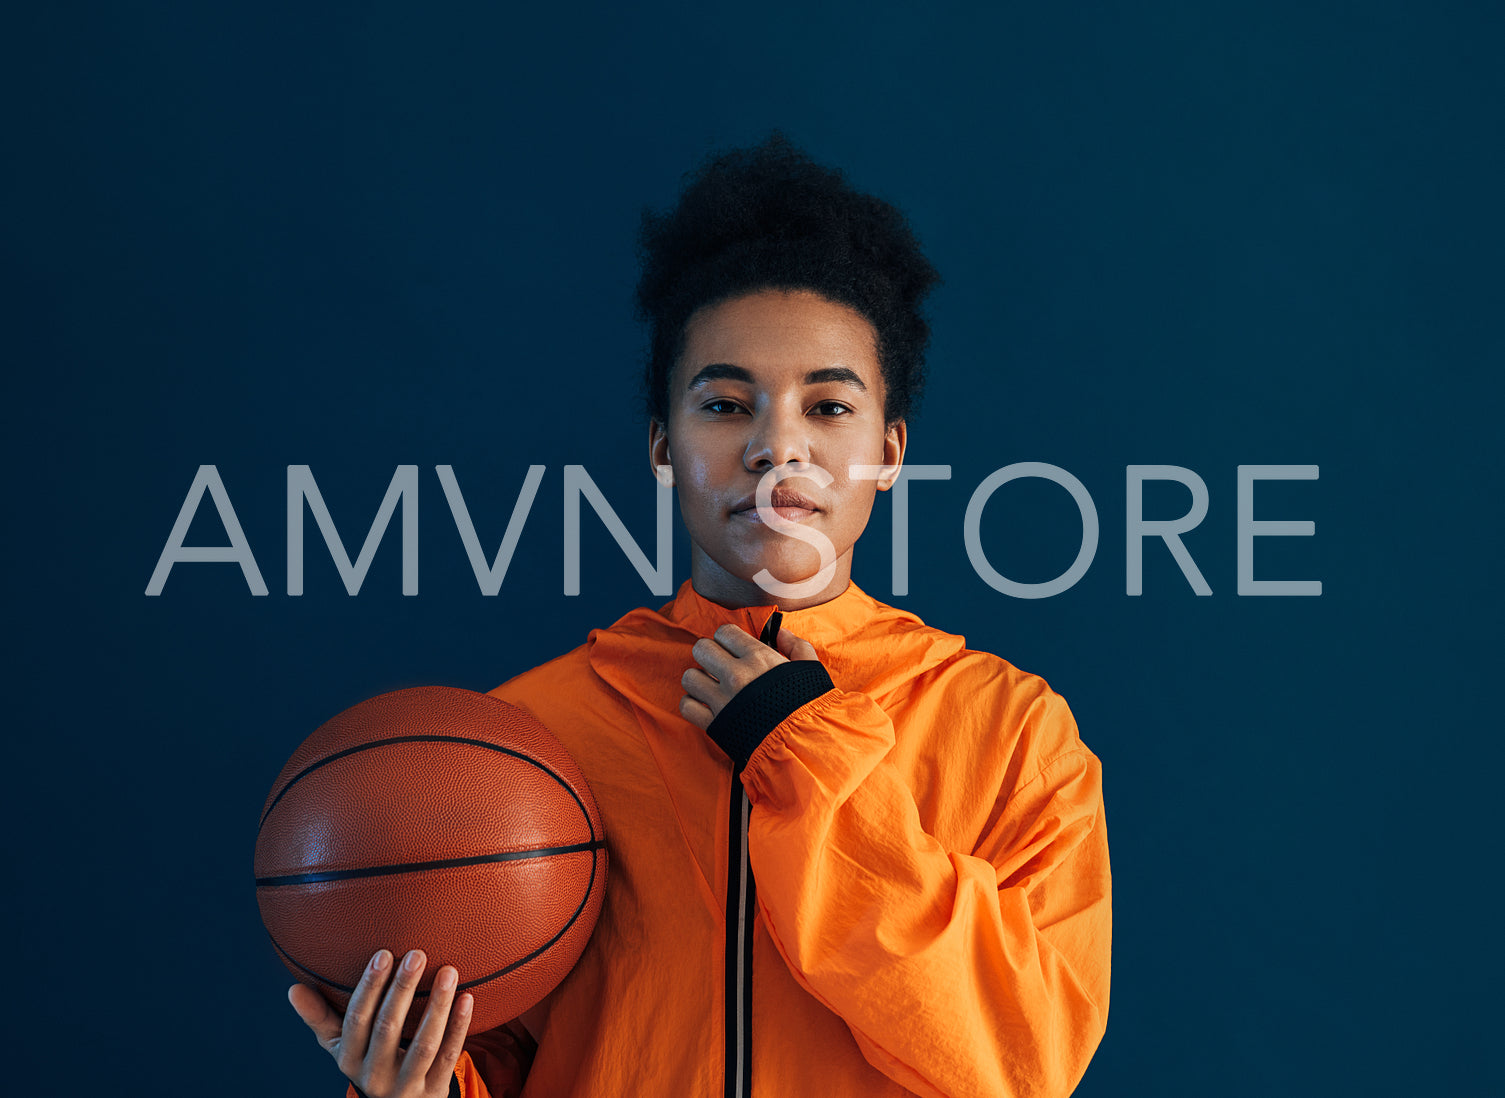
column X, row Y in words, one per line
column 320, row 876
column 468, row 984
column 307, row 770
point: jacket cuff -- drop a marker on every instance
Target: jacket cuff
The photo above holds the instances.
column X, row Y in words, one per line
column 454, row 1089
column 764, row 704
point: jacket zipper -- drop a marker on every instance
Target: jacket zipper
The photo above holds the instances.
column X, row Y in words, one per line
column 741, row 906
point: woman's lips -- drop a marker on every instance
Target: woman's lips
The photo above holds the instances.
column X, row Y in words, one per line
column 785, row 502
column 793, row 514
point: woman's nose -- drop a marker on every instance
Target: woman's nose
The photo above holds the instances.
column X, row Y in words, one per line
column 777, row 438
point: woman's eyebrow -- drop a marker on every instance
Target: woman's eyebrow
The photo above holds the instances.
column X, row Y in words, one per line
column 720, row 371
column 725, row 371
column 844, row 374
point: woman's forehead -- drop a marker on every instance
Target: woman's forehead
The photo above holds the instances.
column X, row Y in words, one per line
column 779, row 337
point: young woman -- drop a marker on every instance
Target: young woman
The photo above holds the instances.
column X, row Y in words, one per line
column 849, row 856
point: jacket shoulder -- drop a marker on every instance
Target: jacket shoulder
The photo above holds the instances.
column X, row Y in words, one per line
column 568, row 667
column 571, row 699
column 988, row 707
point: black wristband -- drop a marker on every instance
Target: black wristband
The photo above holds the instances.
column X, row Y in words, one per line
column 764, row 704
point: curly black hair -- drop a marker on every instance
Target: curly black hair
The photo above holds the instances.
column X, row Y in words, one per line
column 769, row 217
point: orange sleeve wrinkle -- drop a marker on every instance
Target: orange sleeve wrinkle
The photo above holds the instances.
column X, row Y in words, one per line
column 980, row 973
column 498, row 1061
column 471, row 1084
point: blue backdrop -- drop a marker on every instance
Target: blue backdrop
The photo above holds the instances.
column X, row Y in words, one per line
column 355, row 236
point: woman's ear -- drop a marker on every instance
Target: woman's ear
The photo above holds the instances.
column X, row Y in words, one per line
column 659, row 460
column 895, row 438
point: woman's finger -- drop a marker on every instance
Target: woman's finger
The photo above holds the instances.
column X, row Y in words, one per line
column 736, row 640
column 387, row 1031
column 711, row 656
column 421, row 1051
column 697, row 714
column 356, row 1030
column 454, row 1042
column 317, row 1014
column 794, row 648
column 699, row 685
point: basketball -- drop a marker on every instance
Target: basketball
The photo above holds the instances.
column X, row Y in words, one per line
column 438, row 819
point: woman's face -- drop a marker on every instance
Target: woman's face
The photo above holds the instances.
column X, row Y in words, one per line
column 767, row 379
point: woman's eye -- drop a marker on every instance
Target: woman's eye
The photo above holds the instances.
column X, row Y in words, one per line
column 721, row 406
column 832, row 408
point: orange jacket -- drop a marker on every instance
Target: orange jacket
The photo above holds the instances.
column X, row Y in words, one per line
column 926, row 905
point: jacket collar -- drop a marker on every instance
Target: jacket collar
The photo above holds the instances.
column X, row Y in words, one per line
column 865, row 644
column 830, row 621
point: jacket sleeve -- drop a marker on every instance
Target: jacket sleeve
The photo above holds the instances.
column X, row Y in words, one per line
column 494, row 1064
column 980, row 972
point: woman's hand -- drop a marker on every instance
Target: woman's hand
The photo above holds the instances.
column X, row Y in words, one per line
column 731, row 657
column 364, row 1043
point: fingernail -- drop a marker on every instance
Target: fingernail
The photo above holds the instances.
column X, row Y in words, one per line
column 445, row 980
column 380, row 961
column 465, row 1003
column 414, row 961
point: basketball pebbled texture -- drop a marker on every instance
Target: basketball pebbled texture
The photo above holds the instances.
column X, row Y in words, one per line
column 438, row 819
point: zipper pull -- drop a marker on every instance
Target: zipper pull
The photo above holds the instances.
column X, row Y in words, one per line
column 771, row 630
